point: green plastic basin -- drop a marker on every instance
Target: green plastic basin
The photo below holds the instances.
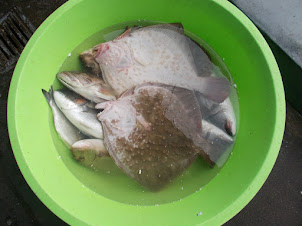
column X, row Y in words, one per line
column 61, row 183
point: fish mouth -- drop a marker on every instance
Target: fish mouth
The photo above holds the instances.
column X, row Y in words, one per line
column 65, row 83
column 67, row 77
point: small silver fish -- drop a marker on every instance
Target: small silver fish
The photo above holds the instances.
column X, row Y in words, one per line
column 92, row 153
column 86, row 151
column 96, row 145
column 80, row 112
column 68, row 133
column 159, row 54
column 87, row 85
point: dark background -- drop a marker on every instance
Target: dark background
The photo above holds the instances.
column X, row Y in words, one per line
column 279, row 202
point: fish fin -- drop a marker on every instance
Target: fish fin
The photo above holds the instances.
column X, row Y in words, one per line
column 177, row 25
column 102, row 105
column 143, row 122
column 129, row 92
column 128, row 31
column 48, row 95
column 202, row 59
column 135, row 27
column 190, row 112
column 106, row 92
column 216, row 89
column 171, row 26
column 206, row 157
column 124, row 34
column 90, row 104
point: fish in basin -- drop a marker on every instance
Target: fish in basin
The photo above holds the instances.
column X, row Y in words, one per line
column 79, row 111
column 162, row 105
column 157, row 53
column 154, row 132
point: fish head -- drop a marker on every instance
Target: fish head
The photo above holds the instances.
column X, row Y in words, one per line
column 118, row 117
column 87, row 85
column 73, row 79
column 114, row 56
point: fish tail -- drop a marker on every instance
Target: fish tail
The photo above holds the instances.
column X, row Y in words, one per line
column 48, row 95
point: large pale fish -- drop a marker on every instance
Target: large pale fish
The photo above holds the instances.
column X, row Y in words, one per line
column 68, row 133
column 157, row 53
column 153, row 132
column 80, row 112
column 87, row 85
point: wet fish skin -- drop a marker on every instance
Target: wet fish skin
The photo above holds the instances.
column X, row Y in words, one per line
column 67, row 132
column 146, row 137
column 96, row 145
column 159, row 54
column 80, row 112
column 89, row 63
column 202, row 60
column 87, row 85
column 92, row 154
column 88, row 151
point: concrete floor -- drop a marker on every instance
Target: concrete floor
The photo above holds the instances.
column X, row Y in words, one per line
column 279, row 202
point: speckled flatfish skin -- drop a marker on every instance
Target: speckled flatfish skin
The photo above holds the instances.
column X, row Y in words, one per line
column 150, row 130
